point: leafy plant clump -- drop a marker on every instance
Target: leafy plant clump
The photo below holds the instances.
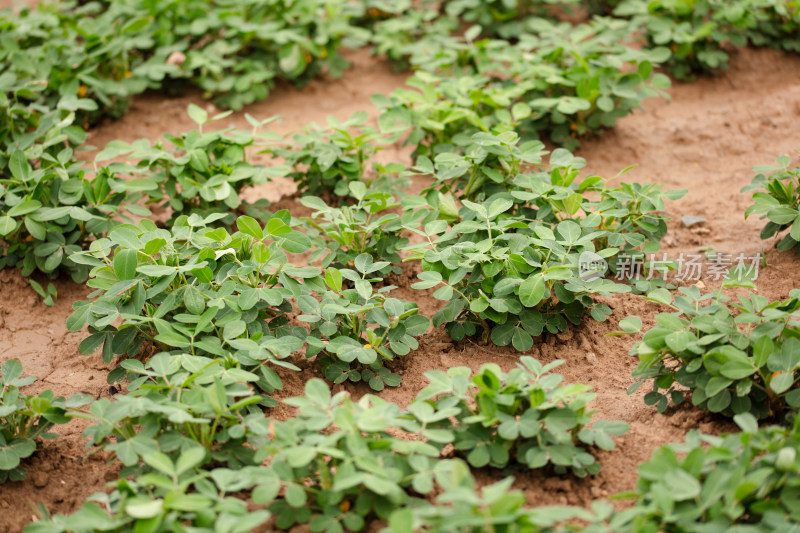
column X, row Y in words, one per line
column 194, row 289
column 330, row 158
column 357, row 331
column 530, row 84
column 370, row 226
column 526, row 417
column 734, row 357
column 176, row 496
column 100, row 54
column 744, row 480
column 778, row 201
column 49, row 207
column 202, row 173
column 339, row 466
column 508, row 278
column 25, row 418
column 530, row 246
column 700, row 33
column 461, row 507
column 176, row 405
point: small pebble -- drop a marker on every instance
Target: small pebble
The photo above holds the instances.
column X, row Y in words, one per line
column 40, row 479
column 597, row 492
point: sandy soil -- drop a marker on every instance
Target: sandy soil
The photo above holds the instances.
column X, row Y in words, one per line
column 705, row 139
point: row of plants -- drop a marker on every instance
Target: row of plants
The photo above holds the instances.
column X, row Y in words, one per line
column 553, row 80
column 339, row 464
column 701, row 33
column 504, row 239
column 509, row 268
column 492, row 436
column 185, row 412
column 52, row 206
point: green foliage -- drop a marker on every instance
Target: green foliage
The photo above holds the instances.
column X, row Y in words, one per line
column 492, row 165
column 194, row 289
column 329, row 158
column 100, row 53
column 201, row 173
column 481, row 165
column 460, row 507
column 25, row 418
column 774, row 23
column 734, row 357
column 263, row 42
column 510, row 277
column 87, row 59
column 749, row 480
column 397, row 36
column 370, row 226
column 339, row 465
column 501, row 16
column 554, row 79
column 777, row 200
column 178, row 404
column 526, row 417
column 81, row 59
column 176, row 496
column 358, row 330
column 700, row 32
column 49, row 207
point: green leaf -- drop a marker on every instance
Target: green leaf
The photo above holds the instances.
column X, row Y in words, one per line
column 11, row 370
column 661, row 296
column 144, row 509
column 233, row 329
column 194, row 300
column 53, row 260
column 333, row 278
column 747, row 422
column 125, row 263
column 681, row 485
column 781, row 382
column 249, row 226
column 631, row 324
column 295, row 495
column 198, row 114
column 795, row 231
column 522, row 341
column 24, row 207
column 13, row 452
column 37, row 229
column 531, row 291
column 156, row 271
column 161, row 462
column 762, row 349
column 7, row 225
column 569, row 230
column 190, row 459
column 18, row 164
column 318, row 391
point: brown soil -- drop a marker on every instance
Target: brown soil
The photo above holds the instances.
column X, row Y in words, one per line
column 706, row 140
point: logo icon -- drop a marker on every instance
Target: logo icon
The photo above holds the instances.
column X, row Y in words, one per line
column 591, row 266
